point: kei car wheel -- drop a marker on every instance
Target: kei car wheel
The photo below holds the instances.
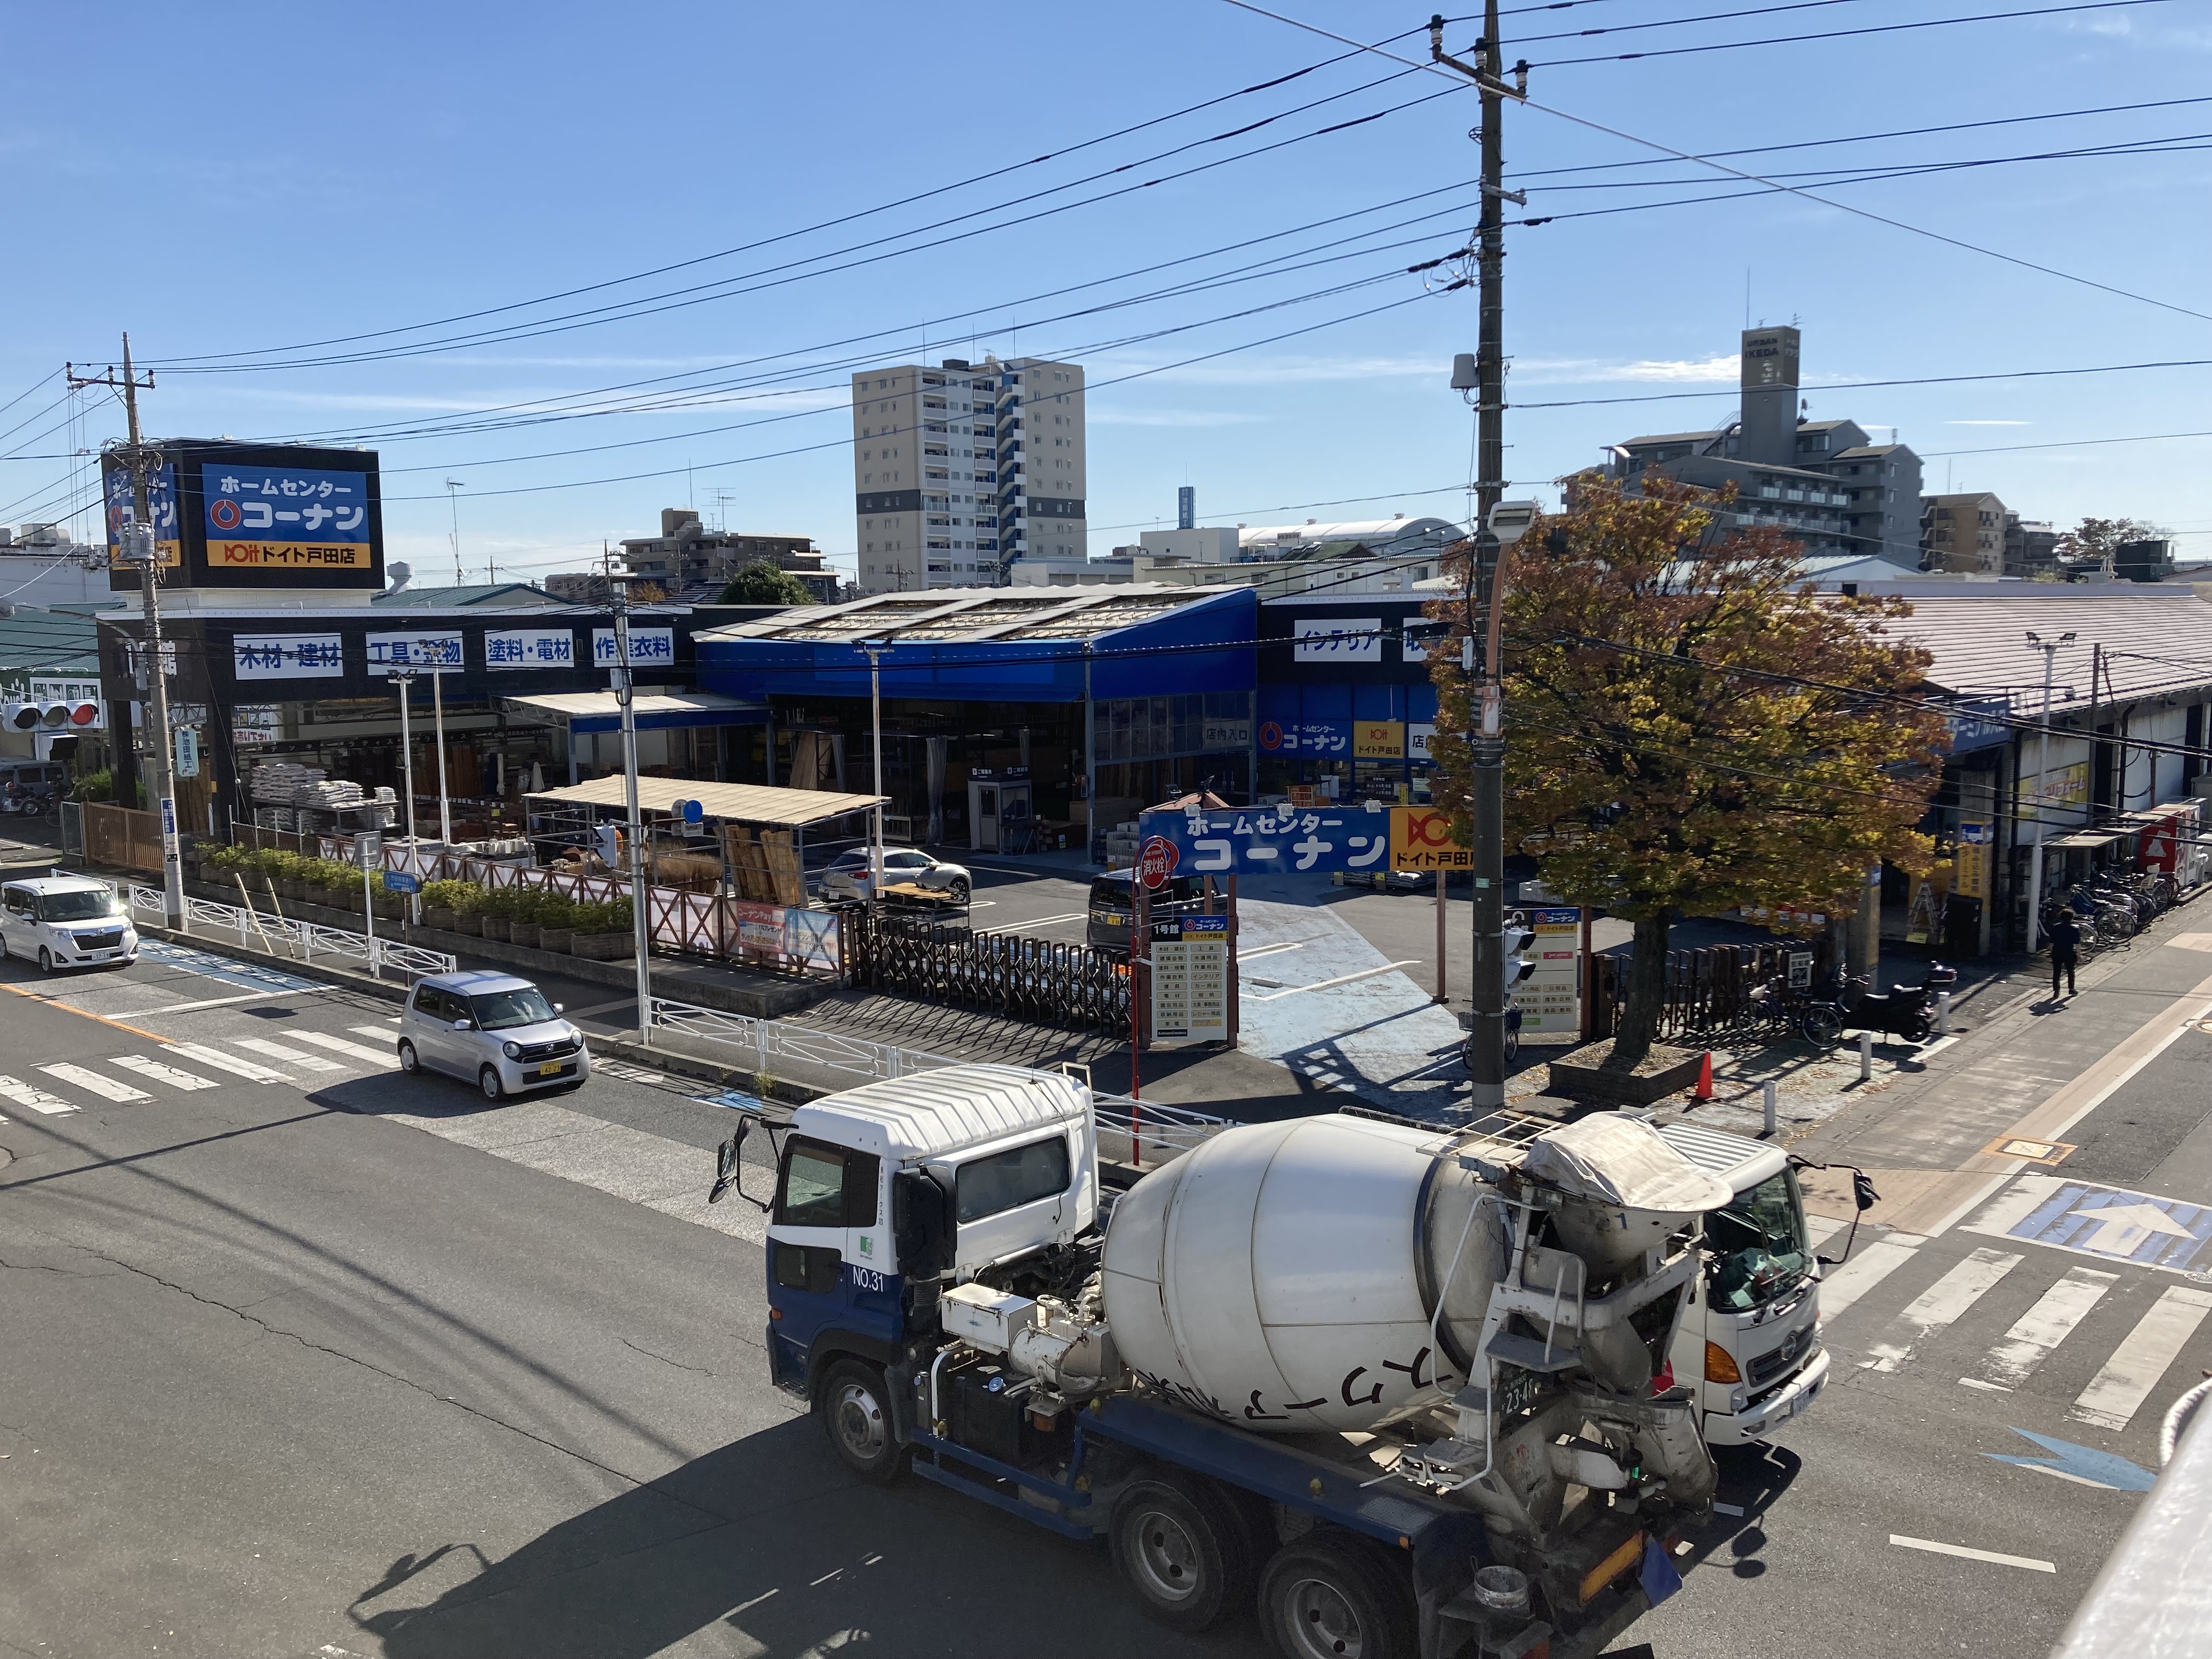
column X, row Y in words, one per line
column 410, row 1062
column 487, row 1080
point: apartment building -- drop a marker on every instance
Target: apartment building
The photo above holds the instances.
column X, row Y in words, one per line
column 1826, row 483
column 961, row 469
column 690, row 561
column 1964, row 532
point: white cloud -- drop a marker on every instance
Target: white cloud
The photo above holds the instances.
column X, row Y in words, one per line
column 1590, row 371
column 1989, row 423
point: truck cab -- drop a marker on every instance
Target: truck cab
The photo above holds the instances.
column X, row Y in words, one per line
column 1749, row 1339
column 885, row 1193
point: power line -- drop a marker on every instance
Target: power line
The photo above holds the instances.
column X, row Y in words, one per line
column 2120, row 149
column 1753, row 178
column 1854, row 385
column 2069, row 443
column 1666, row 22
column 1839, row 34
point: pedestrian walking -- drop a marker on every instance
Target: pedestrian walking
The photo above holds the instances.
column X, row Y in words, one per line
column 2065, row 935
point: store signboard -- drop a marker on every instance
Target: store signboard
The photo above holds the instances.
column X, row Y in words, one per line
column 1970, row 861
column 1273, row 840
column 414, row 651
column 1417, row 738
column 288, row 656
column 1225, row 734
column 160, row 507
column 1421, row 839
column 1190, row 981
column 530, row 648
column 1551, row 996
column 1319, row 739
column 1378, row 739
column 257, row 516
column 649, row 648
column 1339, row 638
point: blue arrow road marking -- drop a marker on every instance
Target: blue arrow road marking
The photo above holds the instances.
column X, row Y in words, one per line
column 2099, row 1468
column 246, row 975
column 2068, row 1218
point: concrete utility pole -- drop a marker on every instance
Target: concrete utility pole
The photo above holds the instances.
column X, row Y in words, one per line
column 140, row 544
column 1488, row 991
column 625, row 694
column 2050, row 649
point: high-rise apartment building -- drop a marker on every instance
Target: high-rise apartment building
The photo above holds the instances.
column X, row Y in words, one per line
column 959, row 469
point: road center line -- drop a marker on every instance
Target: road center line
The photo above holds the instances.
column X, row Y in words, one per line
column 2028, row 1562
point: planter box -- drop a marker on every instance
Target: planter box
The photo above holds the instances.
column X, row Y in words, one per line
column 495, row 928
column 434, row 917
column 556, row 939
column 603, row 947
column 1581, row 1076
column 524, row 933
column 470, row 924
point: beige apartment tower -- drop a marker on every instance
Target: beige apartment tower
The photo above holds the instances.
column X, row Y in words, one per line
column 961, row 469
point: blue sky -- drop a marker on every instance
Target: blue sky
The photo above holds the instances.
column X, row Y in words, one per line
column 233, row 180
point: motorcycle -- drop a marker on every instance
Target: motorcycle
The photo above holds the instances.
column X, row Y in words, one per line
column 1905, row 1010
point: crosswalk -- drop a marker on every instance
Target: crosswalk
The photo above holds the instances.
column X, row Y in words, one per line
column 2061, row 1299
column 184, row 1068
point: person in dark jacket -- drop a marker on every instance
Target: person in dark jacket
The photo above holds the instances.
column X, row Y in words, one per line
column 2065, row 935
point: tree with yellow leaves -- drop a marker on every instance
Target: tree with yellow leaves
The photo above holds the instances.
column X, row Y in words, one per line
column 1690, row 730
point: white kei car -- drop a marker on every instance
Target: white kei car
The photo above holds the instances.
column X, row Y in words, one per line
column 66, row 921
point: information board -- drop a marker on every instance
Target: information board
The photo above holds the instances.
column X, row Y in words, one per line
column 1190, row 981
column 1551, row 998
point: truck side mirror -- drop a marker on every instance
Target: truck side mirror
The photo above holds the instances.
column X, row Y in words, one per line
column 1862, row 1192
column 921, row 1224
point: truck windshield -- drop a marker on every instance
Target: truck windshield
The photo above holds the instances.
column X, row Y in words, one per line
column 86, row 904
column 1758, row 1244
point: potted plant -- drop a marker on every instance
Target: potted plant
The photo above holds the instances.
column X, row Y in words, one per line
column 497, row 910
column 557, row 921
column 444, row 901
column 604, row 932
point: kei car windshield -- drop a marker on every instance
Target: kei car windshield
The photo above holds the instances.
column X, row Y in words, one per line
column 87, row 904
column 499, row 1010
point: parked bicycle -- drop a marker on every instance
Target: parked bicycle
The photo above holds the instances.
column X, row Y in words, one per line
column 1905, row 1010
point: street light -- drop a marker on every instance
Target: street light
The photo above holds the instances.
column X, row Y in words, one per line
column 2050, row 649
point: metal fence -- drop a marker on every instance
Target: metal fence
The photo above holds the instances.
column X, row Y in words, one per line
column 1140, row 1132
column 303, row 940
column 1708, row 994
column 1032, row 979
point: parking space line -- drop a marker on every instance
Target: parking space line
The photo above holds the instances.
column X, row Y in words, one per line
column 2026, row 1562
column 1341, row 979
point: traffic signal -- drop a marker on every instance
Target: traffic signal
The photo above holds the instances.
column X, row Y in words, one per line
column 1519, row 939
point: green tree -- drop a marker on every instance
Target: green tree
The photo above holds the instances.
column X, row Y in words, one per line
column 763, row 583
column 1689, row 730
column 2098, row 538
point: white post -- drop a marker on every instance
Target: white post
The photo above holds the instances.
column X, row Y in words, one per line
column 642, row 920
column 368, row 915
column 1866, row 1056
column 876, row 820
column 1943, row 1012
column 438, row 717
column 406, row 684
column 1767, row 1091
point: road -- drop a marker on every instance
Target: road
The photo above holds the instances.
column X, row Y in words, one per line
column 311, row 1358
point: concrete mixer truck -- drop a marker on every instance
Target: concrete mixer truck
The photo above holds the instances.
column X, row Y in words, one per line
column 1398, row 1397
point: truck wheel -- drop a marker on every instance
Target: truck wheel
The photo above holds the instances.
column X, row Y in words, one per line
column 1327, row 1597
column 859, row 1421
column 1184, row 1551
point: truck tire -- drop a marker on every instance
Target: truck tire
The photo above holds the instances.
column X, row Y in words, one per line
column 1330, row 1596
column 855, row 1407
column 1182, row 1548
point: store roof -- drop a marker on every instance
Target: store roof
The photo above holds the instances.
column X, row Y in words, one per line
column 490, row 595
column 2154, row 639
column 599, row 711
column 60, row 641
column 739, row 803
column 970, row 614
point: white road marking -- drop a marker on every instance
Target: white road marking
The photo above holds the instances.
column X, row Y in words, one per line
column 1341, row 979
column 1864, row 1272
column 218, row 1002
column 299, row 1057
column 2115, row 1392
column 1959, row 1550
column 375, row 1030
column 1940, row 1303
column 1988, row 1388
column 24, row 1094
column 388, row 1058
column 1728, row 1509
column 160, row 1073
column 106, row 1088
column 1935, row 1047
column 1047, row 921
column 2044, row 1326
column 223, row 1062
column 1271, row 950
column 1819, row 1228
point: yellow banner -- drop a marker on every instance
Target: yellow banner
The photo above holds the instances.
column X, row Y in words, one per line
column 289, row 555
column 1378, row 739
column 1421, row 839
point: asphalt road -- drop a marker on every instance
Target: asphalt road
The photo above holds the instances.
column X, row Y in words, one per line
column 332, row 1360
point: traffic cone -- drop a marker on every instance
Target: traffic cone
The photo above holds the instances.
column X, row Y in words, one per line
column 1704, row 1089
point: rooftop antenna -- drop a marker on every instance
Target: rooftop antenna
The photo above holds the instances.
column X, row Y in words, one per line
column 455, row 502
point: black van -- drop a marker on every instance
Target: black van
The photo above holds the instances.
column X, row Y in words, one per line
column 1108, row 926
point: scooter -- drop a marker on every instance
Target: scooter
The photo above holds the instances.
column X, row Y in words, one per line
column 1908, row 1011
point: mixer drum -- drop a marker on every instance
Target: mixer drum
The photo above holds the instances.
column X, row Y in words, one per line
column 1283, row 1275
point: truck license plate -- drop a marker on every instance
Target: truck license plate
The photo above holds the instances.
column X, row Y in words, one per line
column 549, row 1068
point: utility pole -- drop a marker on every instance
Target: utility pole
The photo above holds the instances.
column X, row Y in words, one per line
column 140, row 544
column 404, row 680
column 1488, row 991
column 2050, row 649
column 875, row 650
column 625, row 694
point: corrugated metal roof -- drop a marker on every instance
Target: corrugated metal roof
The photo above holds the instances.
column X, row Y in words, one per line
column 2155, row 640
column 739, row 803
column 470, row 594
column 56, row 640
column 933, row 1113
column 961, row 614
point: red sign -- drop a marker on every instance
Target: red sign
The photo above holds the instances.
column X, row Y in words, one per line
column 2159, row 847
column 1156, row 862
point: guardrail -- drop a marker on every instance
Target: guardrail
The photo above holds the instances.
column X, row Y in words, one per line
column 303, row 940
column 1140, row 1129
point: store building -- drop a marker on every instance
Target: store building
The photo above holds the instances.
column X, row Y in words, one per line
column 1102, row 701
column 1346, row 703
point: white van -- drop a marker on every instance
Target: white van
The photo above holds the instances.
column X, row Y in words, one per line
column 1749, row 1339
column 66, row 921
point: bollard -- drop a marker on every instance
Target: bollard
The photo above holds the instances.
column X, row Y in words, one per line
column 1866, row 1056
column 1943, row 1013
column 1767, row 1093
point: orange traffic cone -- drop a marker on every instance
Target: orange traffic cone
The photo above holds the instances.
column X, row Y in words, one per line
column 1704, row 1089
